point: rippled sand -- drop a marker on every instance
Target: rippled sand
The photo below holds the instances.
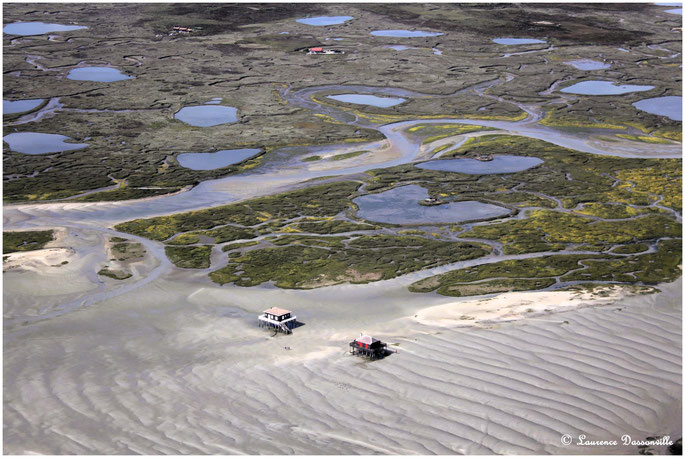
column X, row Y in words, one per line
column 179, row 367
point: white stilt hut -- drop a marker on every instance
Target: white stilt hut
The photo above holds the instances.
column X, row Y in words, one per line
column 278, row 319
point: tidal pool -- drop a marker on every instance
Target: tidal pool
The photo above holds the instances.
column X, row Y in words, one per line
column 207, row 115
column 37, row 143
column 214, row 101
column 517, row 41
column 99, row 74
column 324, row 20
column 499, row 164
column 587, row 64
column 404, row 33
column 604, row 88
column 211, row 161
column 366, row 99
column 20, row 106
column 38, row 28
column 669, row 106
column 401, row 206
column 399, row 47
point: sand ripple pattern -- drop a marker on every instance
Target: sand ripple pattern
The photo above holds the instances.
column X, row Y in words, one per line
column 143, row 382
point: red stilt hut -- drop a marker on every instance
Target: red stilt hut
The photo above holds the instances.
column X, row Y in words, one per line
column 368, row 347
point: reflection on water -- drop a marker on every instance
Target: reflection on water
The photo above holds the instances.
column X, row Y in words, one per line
column 604, row 88
column 404, row 33
column 38, row 28
column 517, row 41
column 211, row 161
column 401, row 206
column 499, row 164
column 20, row 106
column 324, row 20
column 207, row 115
column 670, row 106
column 37, row 143
column 99, row 74
column 366, row 99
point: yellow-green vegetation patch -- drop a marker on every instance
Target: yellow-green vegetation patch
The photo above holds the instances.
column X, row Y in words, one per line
column 312, row 158
column 322, row 200
column 530, row 269
column 434, row 132
column 237, row 246
column 13, row 241
column 548, row 226
column 127, row 193
column 612, row 211
column 631, row 248
column 189, row 257
column 522, row 199
column 496, row 286
column 114, row 273
column 644, row 139
column 651, row 268
column 127, row 251
column 189, row 238
column 663, row 178
column 342, row 157
column 324, row 262
column 331, row 226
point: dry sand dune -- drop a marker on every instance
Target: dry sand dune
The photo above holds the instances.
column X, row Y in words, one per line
column 181, row 368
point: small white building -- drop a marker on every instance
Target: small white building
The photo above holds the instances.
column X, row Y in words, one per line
column 278, row 319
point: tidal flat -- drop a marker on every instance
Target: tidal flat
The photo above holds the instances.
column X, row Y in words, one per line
column 433, row 183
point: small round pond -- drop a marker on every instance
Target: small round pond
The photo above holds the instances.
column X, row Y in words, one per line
column 37, row 143
column 401, row 206
column 324, row 20
column 499, row 164
column 207, row 115
column 604, row 88
column 404, row 33
column 20, row 106
column 211, row 161
column 669, row 106
column 38, row 28
column 367, row 99
column 99, row 74
column 517, row 41
column 588, row 64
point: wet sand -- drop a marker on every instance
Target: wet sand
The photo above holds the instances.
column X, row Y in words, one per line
column 180, row 366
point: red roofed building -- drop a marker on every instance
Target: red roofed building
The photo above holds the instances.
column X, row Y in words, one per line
column 368, row 346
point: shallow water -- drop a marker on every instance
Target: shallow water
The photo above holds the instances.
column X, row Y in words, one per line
column 404, row 33
column 38, row 28
column 20, row 106
column 214, row 101
column 366, row 99
column 37, row 143
column 587, row 64
column 604, row 88
column 207, row 116
column 217, row 160
column 517, row 41
column 675, row 11
column 670, row 106
column 99, row 74
column 499, row 164
column 401, row 206
column 399, row 47
column 324, row 20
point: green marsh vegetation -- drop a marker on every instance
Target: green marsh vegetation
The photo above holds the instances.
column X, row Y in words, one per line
column 13, row 241
column 189, row 257
column 614, row 207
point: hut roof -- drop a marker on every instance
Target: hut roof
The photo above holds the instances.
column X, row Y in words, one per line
column 276, row 311
column 366, row 340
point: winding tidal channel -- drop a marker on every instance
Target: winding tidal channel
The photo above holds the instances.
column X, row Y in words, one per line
column 276, row 177
column 170, row 363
